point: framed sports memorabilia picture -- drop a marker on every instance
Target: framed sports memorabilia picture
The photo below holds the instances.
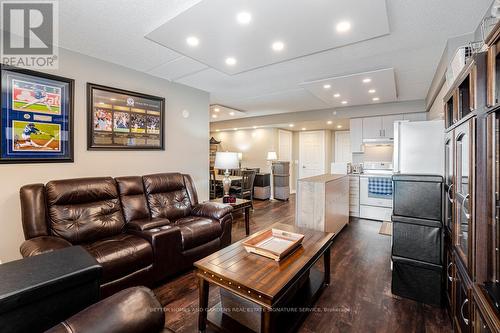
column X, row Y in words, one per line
column 124, row 120
column 36, row 118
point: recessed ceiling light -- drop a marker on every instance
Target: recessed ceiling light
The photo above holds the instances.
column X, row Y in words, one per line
column 217, row 130
column 291, row 125
column 278, row 46
column 214, row 116
column 329, row 122
column 231, row 113
column 255, row 127
column 102, row 103
column 244, row 17
column 372, row 91
column 344, row 102
column 113, row 99
column 367, row 80
column 375, row 99
column 339, row 126
column 216, row 109
column 230, row 61
column 343, row 26
column 327, row 86
column 336, row 95
column 192, row 41
column 303, row 128
column 236, row 128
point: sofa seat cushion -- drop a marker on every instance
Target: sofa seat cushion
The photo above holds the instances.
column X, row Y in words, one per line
column 196, row 231
column 121, row 255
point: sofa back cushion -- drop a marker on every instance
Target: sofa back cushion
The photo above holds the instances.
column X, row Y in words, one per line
column 84, row 210
column 167, row 195
column 133, row 199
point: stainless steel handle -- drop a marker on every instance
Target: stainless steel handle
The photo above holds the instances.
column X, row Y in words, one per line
column 467, row 215
column 448, row 272
column 466, row 321
column 448, row 193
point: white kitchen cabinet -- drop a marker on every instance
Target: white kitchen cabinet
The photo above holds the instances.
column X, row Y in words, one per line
column 388, row 125
column 380, row 127
column 356, row 133
column 420, row 116
column 354, row 195
column 372, row 128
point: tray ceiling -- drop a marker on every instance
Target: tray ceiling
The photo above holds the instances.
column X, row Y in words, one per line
column 241, row 35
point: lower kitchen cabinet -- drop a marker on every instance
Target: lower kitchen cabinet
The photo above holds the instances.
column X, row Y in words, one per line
column 354, row 195
column 450, row 273
column 485, row 316
column 461, row 301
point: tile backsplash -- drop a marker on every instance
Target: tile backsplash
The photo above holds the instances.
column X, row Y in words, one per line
column 382, row 153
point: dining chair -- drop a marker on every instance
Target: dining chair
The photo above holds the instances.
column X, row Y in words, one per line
column 245, row 189
column 215, row 188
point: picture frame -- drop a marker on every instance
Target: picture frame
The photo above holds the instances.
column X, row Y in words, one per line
column 36, row 117
column 120, row 119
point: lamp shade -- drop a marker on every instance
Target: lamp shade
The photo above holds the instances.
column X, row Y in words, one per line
column 272, row 156
column 226, row 160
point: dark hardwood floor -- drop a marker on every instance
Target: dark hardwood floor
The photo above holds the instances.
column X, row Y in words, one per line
column 359, row 297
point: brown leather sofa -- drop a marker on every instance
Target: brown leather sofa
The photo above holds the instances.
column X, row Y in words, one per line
column 134, row 310
column 140, row 229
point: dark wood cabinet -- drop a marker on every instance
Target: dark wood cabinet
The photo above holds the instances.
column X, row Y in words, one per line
column 462, row 304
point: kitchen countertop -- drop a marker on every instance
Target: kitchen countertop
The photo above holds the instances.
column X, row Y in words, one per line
column 323, row 178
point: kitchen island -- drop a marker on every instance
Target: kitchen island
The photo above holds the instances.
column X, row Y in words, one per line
column 323, row 202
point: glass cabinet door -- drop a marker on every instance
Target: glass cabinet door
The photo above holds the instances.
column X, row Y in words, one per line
column 462, row 200
column 449, row 180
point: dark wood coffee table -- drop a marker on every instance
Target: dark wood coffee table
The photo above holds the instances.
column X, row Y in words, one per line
column 240, row 204
column 291, row 283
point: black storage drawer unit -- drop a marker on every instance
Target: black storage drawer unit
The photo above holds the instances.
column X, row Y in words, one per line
column 417, row 239
column 419, row 196
column 262, row 180
column 39, row 292
column 417, row 280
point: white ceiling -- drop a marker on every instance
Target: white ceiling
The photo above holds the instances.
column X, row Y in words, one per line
column 116, row 32
column 215, row 26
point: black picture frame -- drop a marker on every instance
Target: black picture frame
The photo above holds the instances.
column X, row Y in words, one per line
column 44, row 102
column 105, row 103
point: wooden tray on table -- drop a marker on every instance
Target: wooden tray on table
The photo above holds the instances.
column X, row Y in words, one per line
column 275, row 244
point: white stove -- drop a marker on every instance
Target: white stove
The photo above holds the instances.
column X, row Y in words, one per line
column 375, row 186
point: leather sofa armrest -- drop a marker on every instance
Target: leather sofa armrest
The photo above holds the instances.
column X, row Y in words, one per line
column 167, row 248
column 212, row 210
column 42, row 244
column 145, row 224
column 133, row 310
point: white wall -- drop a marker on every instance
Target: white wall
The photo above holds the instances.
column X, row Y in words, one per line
column 186, row 141
column 437, row 109
column 253, row 143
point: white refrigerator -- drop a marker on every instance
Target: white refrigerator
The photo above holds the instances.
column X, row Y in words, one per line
column 419, row 147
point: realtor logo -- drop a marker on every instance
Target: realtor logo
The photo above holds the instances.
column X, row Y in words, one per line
column 29, row 33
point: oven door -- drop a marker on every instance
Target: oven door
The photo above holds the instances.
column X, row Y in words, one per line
column 369, row 198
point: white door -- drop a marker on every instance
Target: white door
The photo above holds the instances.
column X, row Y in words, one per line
column 343, row 146
column 388, row 125
column 372, row 128
column 311, row 153
column 285, row 145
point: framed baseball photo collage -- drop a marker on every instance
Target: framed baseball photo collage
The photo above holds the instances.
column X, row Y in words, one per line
column 121, row 119
column 36, row 117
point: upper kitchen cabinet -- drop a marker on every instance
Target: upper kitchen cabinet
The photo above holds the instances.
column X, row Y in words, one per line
column 380, row 127
column 493, row 74
column 356, row 133
column 420, row 116
column 372, row 128
column 388, row 125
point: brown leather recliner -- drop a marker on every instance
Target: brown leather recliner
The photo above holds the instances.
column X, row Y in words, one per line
column 140, row 229
column 134, row 310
